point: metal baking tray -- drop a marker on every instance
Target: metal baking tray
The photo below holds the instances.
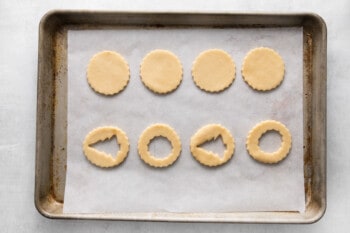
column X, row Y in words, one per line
column 51, row 135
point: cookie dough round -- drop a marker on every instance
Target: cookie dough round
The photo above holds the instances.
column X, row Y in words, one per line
column 263, row 69
column 208, row 133
column 108, row 73
column 255, row 134
column 213, row 70
column 102, row 159
column 161, row 71
column 159, row 130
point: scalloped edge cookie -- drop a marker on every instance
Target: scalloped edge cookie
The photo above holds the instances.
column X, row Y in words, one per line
column 213, row 70
column 161, row 71
column 102, row 159
column 263, row 69
column 157, row 130
column 252, row 142
column 108, row 73
column 208, row 133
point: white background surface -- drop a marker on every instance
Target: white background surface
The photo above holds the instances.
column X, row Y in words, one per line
column 18, row 66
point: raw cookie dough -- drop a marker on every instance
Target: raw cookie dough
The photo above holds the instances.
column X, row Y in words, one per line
column 157, row 130
column 161, row 71
column 255, row 134
column 213, row 70
column 263, row 69
column 208, row 133
column 108, row 73
column 100, row 158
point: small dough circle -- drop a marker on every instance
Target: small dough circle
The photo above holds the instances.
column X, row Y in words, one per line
column 102, row 159
column 161, row 71
column 108, row 73
column 208, row 133
column 213, row 70
column 255, row 134
column 157, row 130
column 263, row 69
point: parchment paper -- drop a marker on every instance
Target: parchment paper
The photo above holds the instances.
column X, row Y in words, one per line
column 240, row 185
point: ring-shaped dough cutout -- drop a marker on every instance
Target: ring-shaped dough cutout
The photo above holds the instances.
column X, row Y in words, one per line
column 256, row 133
column 263, row 69
column 108, row 73
column 208, row 133
column 161, row 71
column 213, row 70
column 159, row 130
column 102, row 159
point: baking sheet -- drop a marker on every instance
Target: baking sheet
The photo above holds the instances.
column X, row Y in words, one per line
column 240, row 185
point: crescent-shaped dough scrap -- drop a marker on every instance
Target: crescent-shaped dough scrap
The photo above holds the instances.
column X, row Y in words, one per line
column 108, row 73
column 161, row 71
column 208, row 133
column 102, row 159
column 263, row 69
column 255, row 134
column 213, row 70
column 159, row 130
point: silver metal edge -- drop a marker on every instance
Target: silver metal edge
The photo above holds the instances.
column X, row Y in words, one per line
column 312, row 219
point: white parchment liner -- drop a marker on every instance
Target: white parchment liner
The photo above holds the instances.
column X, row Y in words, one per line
column 240, row 185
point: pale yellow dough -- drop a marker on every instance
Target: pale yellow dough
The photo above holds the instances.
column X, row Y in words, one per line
column 263, row 69
column 208, row 133
column 108, row 73
column 213, row 70
column 100, row 158
column 161, row 71
column 159, row 130
column 256, row 133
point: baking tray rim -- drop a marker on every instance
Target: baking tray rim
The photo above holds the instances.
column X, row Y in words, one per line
column 179, row 217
